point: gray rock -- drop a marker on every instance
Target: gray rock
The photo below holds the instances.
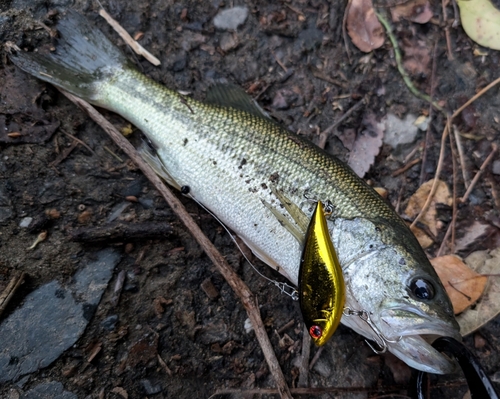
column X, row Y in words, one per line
column 110, row 322
column 25, row 222
column 49, row 390
column 150, row 388
column 52, row 318
column 400, row 131
column 228, row 42
column 231, row 18
column 496, row 167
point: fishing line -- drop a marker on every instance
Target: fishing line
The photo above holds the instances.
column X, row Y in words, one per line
column 283, row 287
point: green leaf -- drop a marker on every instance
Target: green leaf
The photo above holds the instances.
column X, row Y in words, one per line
column 481, row 22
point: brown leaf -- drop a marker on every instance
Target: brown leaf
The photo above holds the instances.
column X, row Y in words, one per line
column 472, row 234
column 367, row 145
column 488, row 306
column 463, row 285
column 417, row 201
column 363, row 26
column 418, row 11
column 417, row 58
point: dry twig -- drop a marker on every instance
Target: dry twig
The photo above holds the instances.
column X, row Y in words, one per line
column 480, row 172
column 128, row 39
column 238, row 286
column 441, row 154
column 9, row 291
column 304, row 360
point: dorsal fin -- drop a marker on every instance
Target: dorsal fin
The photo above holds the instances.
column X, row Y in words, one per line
column 232, row 96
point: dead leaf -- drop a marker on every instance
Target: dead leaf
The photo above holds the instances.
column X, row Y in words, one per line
column 472, row 233
column 417, row 201
column 348, row 137
column 417, row 58
column 418, row 11
column 367, row 145
column 463, row 285
column 363, row 26
column 488, row 307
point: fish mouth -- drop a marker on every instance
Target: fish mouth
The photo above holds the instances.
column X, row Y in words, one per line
column 410, row 333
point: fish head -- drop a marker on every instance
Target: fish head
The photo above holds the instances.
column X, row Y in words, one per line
column 390, row 278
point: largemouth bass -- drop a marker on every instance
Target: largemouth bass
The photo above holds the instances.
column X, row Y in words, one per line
column 241, row 166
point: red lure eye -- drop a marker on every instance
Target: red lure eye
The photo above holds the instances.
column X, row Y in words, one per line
column 315, row 332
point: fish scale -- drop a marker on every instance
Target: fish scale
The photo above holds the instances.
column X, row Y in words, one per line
column 203, row 146
column 259, row 179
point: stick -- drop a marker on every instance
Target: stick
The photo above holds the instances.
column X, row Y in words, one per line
column 343, row 117
column 238, row 286
column 10, row 290
column 436, row 176
column 399, row 63
column 480, row 172
column 461, row 155
column 445, row 133
column 128, row 39
column 304, row 360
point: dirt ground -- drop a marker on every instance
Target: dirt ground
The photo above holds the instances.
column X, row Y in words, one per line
column 174, row 306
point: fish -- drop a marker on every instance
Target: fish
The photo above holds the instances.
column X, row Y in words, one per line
column 257, row 178
column 321, row 283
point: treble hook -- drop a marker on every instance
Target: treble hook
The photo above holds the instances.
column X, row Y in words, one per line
column 382, row 340
column 327, row 204
column 287, row 290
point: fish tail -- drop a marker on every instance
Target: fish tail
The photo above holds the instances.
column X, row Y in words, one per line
column 83, row 60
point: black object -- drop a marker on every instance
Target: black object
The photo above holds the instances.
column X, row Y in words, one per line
column 480, row 385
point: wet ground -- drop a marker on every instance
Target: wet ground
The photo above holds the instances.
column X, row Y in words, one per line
column 175, row 329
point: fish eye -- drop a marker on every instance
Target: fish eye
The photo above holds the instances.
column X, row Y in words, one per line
column 315, row 332
column 422, row 289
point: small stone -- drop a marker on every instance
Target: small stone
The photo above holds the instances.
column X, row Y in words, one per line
column 400, row 131
column 85, row 216
column 208, row 288
column 479, row 341
column 25, row 222
column 231, row 18
column 248, row 326
column 150, row 388
column 228, row 42
column 496, row 167
column 110, row 322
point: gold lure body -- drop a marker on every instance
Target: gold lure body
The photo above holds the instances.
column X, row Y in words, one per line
column 321, row 283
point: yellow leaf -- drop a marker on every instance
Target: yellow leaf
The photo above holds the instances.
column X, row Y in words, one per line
column 463, row 285
column 481, row 22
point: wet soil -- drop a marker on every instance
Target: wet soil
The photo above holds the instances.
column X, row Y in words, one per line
column 177, row 330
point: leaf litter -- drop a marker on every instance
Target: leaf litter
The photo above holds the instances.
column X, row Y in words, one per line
column 486, row 263
column 363, row 26
column 418, row 11
column 367, row 145
column 429, row 219
column 463, row 285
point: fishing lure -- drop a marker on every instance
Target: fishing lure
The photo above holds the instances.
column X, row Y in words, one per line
column 321, row 283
